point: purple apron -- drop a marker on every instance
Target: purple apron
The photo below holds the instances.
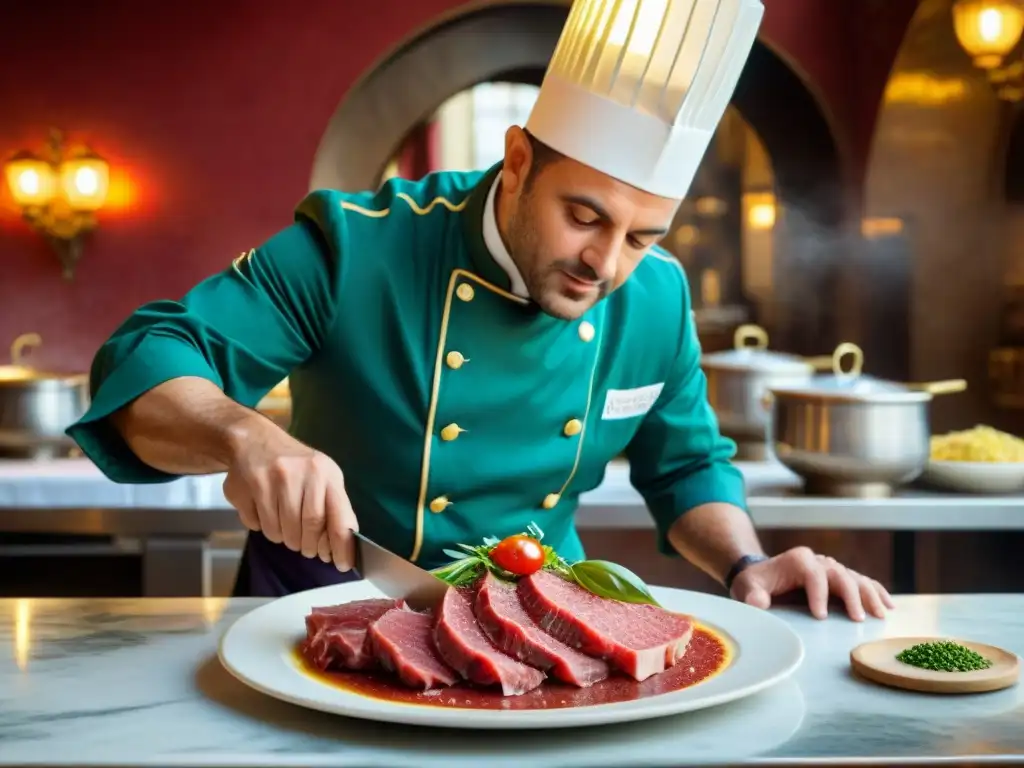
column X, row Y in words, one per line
column 273, row 570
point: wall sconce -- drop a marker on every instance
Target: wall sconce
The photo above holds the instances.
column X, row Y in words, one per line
column 59, row 194
column 988, row 29
column 760, row 210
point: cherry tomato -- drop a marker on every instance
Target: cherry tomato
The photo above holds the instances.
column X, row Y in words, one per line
column 519, row 554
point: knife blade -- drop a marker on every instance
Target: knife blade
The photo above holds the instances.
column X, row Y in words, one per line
column 396, row 577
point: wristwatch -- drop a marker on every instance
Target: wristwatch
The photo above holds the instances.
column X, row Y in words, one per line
column 741, row 565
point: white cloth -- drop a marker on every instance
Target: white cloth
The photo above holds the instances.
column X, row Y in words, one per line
column 494, row 243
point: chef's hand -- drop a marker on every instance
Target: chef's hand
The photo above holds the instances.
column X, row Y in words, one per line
column 818, row 576
column 293, row 494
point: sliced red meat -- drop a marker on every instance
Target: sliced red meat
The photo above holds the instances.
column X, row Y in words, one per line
column 336, row 634
column 639, row 639
column 507, row 624
column 464, row 646
column 403, row 643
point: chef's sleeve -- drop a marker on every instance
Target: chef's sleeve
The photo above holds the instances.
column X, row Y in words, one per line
column 678, row 458
column 244, row 329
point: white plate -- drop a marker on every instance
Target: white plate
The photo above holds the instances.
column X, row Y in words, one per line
column 975, row 476
column 257, row 649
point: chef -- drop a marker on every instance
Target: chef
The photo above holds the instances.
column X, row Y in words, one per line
column 466, row 353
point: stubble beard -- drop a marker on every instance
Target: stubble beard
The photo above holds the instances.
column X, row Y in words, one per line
column 541, row 282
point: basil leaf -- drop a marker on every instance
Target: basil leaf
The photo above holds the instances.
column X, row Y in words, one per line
column 455, row 555
column 612, row 581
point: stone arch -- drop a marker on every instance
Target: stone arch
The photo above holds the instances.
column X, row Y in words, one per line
column 936, row 165
column 493, row 39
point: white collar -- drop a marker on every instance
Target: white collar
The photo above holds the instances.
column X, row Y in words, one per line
column 494, row 243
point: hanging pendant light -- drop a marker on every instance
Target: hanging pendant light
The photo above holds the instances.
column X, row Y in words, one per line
column 988, row 29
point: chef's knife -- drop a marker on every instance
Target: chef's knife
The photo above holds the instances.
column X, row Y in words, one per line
column 396, row 577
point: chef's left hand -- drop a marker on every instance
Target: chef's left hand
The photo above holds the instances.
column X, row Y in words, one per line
column 818, row 576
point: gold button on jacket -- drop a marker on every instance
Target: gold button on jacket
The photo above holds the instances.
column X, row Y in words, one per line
column 551, row 501
column 439, row 504
column 451, row 432
column 454, row 359
column 465, row 292
column 572, row 427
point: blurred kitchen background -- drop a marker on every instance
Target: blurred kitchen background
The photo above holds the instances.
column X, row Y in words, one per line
column 866, row 185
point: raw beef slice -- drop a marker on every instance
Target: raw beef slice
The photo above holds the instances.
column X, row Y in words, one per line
column 639, row 639
column 464, row 646
column 509, row 626
column 336, row 634
column 403, row 643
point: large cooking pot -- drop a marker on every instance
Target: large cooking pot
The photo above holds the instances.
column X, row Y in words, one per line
column 738, row 378
column 849, row 434
column 36, row 406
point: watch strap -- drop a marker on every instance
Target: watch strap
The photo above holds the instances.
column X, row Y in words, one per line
column 741, row 565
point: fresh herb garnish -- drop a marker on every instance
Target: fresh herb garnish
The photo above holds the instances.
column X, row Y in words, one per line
column 943, row 656
column 601, row 577
column 611, row 580
column 471, row 563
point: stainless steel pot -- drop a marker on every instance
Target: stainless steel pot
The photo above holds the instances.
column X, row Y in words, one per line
column 849, row 434
column 738, row 379
column 36, row 407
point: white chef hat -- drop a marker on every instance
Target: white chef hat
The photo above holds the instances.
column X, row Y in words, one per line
column 636, row 88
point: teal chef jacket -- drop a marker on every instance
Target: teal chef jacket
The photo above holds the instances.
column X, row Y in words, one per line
column 455, row 408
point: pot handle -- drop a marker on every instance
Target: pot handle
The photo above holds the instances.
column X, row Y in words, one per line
column 820, row 362
column 946, row 387
column 750, row 332
column 19, row 345
column 857, row 364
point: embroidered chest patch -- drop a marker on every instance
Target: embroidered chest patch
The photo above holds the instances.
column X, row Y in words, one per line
column 629, row 403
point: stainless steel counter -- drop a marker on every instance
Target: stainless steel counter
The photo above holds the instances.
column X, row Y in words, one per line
column 173, row 521
column 72, row 496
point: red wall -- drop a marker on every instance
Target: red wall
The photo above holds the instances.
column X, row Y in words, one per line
column 844, row 51
column 211, row 116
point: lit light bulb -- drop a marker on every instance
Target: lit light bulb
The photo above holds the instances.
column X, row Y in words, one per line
column 990, row 24
column 988, row 29
column 87, row 181
column 30, row 179
column 762, row 216
column 28, row 182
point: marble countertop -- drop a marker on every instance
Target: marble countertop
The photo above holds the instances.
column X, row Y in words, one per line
column 137, row 682
column 40, row 496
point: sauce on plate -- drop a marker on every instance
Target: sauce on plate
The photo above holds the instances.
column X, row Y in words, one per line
column 707, row 654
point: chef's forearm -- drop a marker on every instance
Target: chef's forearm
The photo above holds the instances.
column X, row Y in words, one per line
column 714, row 536
column 187, row 426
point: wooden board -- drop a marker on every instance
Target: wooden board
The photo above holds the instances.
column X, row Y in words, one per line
column 876, row 661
